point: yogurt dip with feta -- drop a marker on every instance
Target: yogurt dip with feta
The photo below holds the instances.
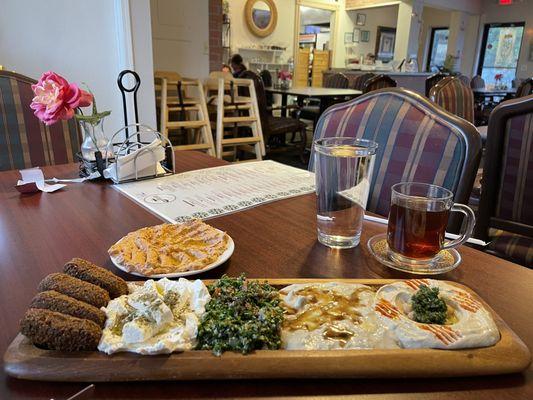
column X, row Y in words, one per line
column 159, row 317
column 331, row 316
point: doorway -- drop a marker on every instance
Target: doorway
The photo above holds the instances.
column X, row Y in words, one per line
column 438, row 46
column 314, row 43
column 500, row 49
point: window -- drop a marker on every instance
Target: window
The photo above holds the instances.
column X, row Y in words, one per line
column 500, row 49
column 438, row 46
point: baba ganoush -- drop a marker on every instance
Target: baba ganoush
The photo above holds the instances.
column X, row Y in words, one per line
column 467, row 324
column 328, row 316
column 155, row 318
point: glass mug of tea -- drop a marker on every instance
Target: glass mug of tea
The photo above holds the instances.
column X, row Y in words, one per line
column 417, row 223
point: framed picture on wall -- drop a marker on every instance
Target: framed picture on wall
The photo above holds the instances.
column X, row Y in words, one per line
column 360, row 20
column 531, row 51
column 385, row 40
column 356, row 34
column 348, row 37
column 365, row 36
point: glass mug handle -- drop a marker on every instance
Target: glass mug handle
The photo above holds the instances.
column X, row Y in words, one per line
column 469, row 226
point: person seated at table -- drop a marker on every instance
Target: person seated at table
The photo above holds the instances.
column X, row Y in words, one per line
column 237, row 65
column 226, row 68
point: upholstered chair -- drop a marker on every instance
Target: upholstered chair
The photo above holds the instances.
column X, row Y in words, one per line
column 378, row 82
column 417, row 140
column 525, row 88
column 24, row 140
column 505, row 215
column 454, row 96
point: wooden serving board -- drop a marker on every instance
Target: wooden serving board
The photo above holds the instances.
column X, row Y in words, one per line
column 510, row 354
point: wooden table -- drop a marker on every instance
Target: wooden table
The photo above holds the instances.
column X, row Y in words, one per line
column 40, row 232
column 325, row 95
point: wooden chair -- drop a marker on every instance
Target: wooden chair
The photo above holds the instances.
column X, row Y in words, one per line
column 418, row 141
column 320, row 65
column 237, row 107
column 378, row 82
column 357, row 82
column 454, row 96
column 525, row 88
column 505, row 215
column 433, row 80
column 184, row 109
column 25, row 141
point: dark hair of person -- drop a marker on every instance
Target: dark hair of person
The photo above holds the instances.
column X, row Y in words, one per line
column 237, row 59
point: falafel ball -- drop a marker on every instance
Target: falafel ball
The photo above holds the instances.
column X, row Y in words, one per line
column 56, row 331
column 74, row 287
column 89, row 272
column 55, row 301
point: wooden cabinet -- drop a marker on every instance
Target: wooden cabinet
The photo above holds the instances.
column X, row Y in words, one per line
column 320, row 65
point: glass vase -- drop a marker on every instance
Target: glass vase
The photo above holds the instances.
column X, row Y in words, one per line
column 93, row 140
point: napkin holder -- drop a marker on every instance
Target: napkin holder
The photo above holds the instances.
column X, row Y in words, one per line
column 145, row 155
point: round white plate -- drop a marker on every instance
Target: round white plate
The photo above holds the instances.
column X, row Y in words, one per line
column 221, row 260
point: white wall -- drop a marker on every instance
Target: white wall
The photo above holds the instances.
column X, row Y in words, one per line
column 282, row 36
column 180, row 31
column 379, row 16
column 77, row 39
column 518, row 12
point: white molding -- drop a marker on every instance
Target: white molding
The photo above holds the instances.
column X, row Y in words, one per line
column 124, row 34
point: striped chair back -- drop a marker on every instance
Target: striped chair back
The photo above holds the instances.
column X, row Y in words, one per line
column 336, row 81
column 378, row 82
column 357, row 82
column 454, row 96
column 525, row 88
column 507, row 191
column 24, row 140
column 433, row 80
column 417, row 142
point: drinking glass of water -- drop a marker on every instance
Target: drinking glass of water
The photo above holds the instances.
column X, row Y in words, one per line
column 343, row 171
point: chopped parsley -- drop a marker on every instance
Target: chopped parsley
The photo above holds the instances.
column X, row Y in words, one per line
column 428, row 307
column 241, row 316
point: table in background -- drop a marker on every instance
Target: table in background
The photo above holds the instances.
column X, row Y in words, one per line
column 325, row 95
column 484, row 94
column 40, row 232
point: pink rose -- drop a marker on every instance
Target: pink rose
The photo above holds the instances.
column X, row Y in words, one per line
column 57, row 99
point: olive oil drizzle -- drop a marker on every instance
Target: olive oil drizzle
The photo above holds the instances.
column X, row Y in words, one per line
column 324, row 308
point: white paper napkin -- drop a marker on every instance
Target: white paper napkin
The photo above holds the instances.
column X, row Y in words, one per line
column 33, row 181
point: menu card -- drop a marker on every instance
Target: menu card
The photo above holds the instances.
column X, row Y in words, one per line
column 212, row 192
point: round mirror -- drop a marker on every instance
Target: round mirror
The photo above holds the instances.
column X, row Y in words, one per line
column 261, row 17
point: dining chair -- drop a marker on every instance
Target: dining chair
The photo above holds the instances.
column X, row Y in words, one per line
column 238, row 121
column 433, row 80
column 418, row 141
column 378, row 82
column 477, row 82
column 266, row 77
column 275, row 128
column 357, row 82
column 183, row 108
column 311, row 110
column 454, row 96
column 25, row 141
column 525, row 88
column 505, row 216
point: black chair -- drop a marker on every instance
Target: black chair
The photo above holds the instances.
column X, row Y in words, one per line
column 275, row 128
column 357, row 82
column 266, row 77
column 505, row 215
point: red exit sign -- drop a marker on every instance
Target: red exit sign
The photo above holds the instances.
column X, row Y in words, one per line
column 505, row 2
